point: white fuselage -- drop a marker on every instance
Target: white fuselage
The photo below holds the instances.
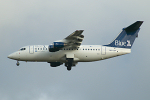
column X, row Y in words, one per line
column 85, row 53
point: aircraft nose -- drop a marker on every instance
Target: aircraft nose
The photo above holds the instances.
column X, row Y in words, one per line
column 10, row 56
column 14, row 56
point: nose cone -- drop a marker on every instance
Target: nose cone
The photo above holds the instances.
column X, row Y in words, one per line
column 14, row 56
column 10, row 56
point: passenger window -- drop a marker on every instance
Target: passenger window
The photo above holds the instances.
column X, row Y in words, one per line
column 91, row 49
column 38, row 48
column 35, row 49
column 44, row 48
column 41, row 48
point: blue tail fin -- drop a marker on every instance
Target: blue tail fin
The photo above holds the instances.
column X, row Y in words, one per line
column 126, row 38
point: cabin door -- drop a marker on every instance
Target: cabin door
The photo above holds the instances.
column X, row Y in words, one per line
column 31, row 49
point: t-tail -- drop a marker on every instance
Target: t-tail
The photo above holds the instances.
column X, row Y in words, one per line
column 126, row 38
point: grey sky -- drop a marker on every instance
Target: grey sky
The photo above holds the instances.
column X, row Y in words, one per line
column 27, row 22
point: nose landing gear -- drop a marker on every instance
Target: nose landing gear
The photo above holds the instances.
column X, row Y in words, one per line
column 17, row 63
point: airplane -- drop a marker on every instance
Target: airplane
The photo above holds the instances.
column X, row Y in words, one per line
column 70, row 51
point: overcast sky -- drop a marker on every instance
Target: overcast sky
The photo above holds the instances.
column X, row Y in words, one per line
column 28, row 22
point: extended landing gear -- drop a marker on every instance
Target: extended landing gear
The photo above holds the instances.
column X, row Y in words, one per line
column 68, row 64
column 17, row 63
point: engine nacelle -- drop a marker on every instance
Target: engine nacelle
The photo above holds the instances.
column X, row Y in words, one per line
column 56, row 46
column 55, row 64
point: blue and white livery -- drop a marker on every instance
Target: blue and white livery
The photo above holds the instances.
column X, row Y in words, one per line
column 70, row 51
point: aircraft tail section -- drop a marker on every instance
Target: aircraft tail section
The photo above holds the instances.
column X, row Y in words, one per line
column 126, row 38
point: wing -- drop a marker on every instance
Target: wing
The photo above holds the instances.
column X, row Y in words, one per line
column 75, row 39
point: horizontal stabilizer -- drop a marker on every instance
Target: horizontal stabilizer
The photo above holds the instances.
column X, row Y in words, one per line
column 134, row 26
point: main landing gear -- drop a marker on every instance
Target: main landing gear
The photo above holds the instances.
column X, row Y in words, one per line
column 17, row 63
column 68, row 64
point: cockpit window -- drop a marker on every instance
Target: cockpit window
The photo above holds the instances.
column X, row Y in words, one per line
column 22, row 49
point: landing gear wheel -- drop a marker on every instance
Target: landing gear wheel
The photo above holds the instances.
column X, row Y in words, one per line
column 68, row 63
column 69, row 68
column 17, row 63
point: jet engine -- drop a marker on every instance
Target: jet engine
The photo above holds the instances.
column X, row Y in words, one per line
column 56, row 46
column 55, row 64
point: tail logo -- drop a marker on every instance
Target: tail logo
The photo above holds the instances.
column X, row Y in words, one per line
column 128, row 41
column 120, row 43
